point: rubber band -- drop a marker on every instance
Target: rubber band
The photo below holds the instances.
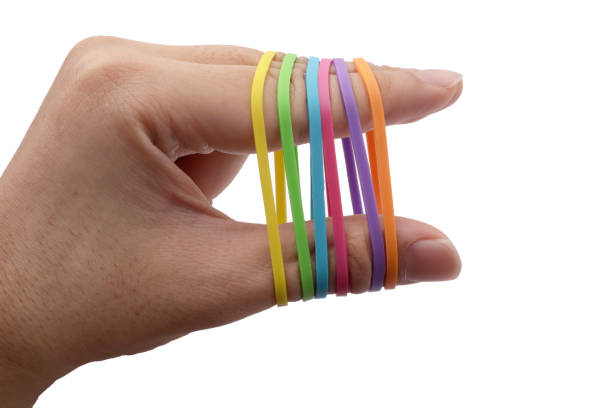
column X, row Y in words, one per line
column 365, row 177
column 351, row 174
column 261, row 147
column 373, row 169
column 332, row 185
column 380, row 156
column 317, row 182
column 279, row 184
column 291, row 170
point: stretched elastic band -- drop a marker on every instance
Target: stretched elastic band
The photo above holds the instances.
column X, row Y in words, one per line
column 372, row 159
column 261, row 147
column 334, row 200
column 351, row 174
column 279, row 184
column 317, row 182
column 365, row 178
column 293, row 179
column 380, row 156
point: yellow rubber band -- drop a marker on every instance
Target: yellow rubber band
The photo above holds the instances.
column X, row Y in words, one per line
column 261, row 147
column 281, row 190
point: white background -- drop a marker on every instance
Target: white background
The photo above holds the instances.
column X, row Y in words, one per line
column 517, row 173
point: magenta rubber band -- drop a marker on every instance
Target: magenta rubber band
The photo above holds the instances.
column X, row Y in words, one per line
column 332, row 185
column 365, row 177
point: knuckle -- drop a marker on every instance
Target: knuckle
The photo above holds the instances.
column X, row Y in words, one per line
column 90, row 45
column 98, row 67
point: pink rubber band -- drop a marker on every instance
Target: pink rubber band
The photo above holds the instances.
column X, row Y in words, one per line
column 332, row 185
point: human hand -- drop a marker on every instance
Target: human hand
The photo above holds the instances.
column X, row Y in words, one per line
column 109, row 242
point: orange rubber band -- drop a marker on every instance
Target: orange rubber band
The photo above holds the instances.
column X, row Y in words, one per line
column 372, row 160
column 379, row 163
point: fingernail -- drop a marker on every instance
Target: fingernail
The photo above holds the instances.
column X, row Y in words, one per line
column 439, row 77
column 431, row 260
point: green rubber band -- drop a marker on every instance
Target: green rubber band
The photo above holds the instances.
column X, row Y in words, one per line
column 293, row 179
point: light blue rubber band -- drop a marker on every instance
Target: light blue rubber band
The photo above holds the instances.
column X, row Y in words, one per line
column 317, row 182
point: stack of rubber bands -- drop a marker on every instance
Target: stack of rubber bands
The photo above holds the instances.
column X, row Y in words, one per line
column 367, row 172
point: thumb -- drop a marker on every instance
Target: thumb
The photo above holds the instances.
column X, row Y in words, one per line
column 231, row 277
column 425, row 254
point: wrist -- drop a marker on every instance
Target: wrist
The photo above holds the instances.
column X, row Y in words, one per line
column 20, row 382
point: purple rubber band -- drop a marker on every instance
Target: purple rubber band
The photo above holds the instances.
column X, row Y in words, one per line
column 351, row 174
column 379, row 262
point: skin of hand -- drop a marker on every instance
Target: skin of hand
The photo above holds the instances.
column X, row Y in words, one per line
column 109, row 243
